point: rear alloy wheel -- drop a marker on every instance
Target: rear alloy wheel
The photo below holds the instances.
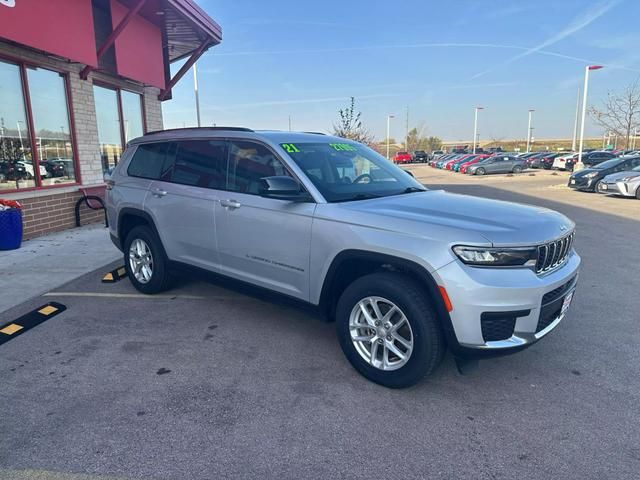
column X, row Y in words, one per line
column 145, row 261
column 388, row 329
column 517, row 169
column 481, row 171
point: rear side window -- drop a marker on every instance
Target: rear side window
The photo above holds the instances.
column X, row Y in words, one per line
column 199, row 163
column 149, row 161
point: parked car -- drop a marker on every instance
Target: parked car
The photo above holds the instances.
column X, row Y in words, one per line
column 437, row 153
column 565, row 161
column 531, row 158
column 449, row 165
column 497, row 164
column 301, row 215
column 420, row 156
column 442, row 158
column 544, row 160
column 594, row 158
column 588, row 179
column 626, row 184
column 462, row 167
column 59, row 167
column 12, row 171
column 402, row 157
column 28, row 167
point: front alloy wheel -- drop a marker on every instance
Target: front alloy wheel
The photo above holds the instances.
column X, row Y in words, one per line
column 380, row 333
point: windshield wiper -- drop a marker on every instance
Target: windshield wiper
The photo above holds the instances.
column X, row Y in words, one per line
column 414, row 189
column 361, row 196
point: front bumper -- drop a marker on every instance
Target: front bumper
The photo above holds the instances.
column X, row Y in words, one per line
column 616, row 188
column 582, row 183
column 528, row 305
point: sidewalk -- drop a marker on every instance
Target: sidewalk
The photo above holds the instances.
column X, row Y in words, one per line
column 47, row 262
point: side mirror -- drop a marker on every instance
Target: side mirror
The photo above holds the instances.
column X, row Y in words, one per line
column 282, row 187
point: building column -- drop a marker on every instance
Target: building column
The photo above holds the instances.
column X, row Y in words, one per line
column 152, row 109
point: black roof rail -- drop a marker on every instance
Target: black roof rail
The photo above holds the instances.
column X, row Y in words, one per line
column 232, row 129
column 315, row 133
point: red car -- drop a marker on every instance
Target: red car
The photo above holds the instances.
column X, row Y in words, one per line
column 464, row 166
column 402, row 157
column 450, row 163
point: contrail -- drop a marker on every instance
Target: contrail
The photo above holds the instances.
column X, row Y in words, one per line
column 578, row 23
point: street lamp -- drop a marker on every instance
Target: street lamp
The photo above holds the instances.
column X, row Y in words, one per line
column 531, row 110
column 389, row 117
column 475, row 128
column 579, row 165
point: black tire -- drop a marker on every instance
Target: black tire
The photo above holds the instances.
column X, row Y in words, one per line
column 517, row 169
column 480, row 171
column 638, row 193
column 161, row 277
column 428, row 341
column 596, row 187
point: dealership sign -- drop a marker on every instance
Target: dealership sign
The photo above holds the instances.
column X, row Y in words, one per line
column 8, row 3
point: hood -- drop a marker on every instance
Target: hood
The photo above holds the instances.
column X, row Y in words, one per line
column 614, row 177
column 585, row 171
column 461, row 218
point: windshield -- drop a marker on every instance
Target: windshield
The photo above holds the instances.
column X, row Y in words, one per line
column 607, row 164
column 350, row 171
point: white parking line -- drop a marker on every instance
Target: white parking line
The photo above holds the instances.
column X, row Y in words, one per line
column 131, row 295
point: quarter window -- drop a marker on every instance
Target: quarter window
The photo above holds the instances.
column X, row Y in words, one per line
column 149, row 161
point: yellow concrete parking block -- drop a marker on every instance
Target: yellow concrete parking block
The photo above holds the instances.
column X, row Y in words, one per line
column 11, row 329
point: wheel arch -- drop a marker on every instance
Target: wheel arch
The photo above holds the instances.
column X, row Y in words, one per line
column 128, row 218
column 349, row 265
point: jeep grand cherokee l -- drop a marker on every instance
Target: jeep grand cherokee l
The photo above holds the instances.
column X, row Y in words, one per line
column 405, row 272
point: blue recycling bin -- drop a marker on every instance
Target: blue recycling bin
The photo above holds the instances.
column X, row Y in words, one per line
column 10, row 229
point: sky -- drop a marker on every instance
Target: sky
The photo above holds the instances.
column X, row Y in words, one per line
column 286, row 59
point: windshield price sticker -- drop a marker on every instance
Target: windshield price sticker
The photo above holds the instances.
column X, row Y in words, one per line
column 343, row 147
column 290, row 148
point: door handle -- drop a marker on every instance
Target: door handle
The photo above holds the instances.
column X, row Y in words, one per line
column 230, row 204
column 158, row 192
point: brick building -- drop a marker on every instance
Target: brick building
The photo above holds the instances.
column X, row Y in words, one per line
column 78, row 80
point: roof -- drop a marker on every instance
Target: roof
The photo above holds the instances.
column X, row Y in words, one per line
column 185, row 25
column 275, row 136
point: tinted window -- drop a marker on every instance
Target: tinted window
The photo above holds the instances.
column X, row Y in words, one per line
column 607, row 164
column 148, row 161
column 248, row 163
column 199, row 163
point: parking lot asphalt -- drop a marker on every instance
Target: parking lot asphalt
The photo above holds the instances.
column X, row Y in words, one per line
column 206, row 382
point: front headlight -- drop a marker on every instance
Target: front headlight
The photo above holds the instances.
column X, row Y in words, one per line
column 496, row 257
column 591, row 175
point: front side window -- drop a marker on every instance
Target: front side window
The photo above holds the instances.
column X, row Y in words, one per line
column 350, row 171
column 52, row 129
column 16, row 160
column 249, row 162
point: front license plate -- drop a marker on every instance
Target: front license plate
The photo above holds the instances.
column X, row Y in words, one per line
column 604, row 186
column 573, row 182
column 566, row 303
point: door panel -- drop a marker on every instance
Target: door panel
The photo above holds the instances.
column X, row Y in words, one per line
column 183, row 200
column 261, row 240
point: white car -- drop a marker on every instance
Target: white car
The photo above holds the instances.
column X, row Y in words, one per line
column 28, row 166
column 560, row 163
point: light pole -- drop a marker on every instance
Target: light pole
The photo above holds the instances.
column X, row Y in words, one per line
column 579, row 165
column 389, row 117
column 575, row 125
column 475, row 128
column 529, row 130
column 196, row 92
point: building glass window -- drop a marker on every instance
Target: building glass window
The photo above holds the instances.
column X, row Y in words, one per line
column 119, row 117
column 109, row 128
column 132, row 113
column 52, row 130
column 16, row 159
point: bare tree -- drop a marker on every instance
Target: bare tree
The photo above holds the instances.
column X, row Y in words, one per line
column 620, row 113
column 350, row 126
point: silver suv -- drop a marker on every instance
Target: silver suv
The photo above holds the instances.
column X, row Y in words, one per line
column 404, row 271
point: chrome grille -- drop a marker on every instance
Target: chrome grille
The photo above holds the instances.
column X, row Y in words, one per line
column 553, row 254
